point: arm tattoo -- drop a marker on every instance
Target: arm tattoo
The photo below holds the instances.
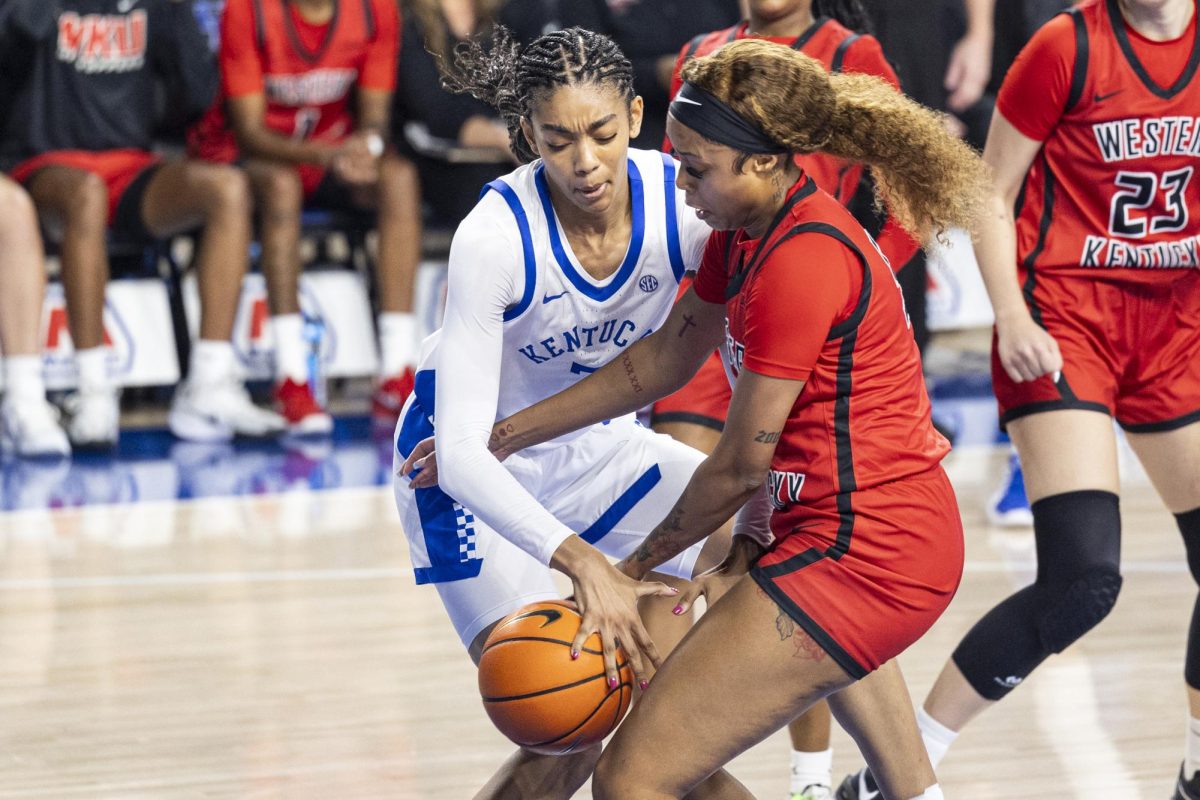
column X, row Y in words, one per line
column 627, row 362
column 499, row 434
column 688, row 322
column 767, row 437
column 664, row 541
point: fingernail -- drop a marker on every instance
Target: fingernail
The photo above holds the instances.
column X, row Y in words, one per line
column 677, row 610
column 612, row 683
column 643, row 684
column 574, row 654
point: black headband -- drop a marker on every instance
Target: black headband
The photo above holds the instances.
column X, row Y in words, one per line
column 714, row 120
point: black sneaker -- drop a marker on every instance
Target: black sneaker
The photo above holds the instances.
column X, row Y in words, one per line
column 861, row 786
column 1184, row 790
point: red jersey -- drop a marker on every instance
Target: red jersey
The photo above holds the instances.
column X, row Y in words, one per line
column 814, row 300
column 838, row 49
column 1113, row 192
column 306, row 72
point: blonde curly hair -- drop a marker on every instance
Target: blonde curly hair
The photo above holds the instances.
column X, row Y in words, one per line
column 929, row 180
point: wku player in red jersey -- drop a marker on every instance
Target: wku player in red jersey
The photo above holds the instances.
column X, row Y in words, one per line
column 306, row 93
column 1097, row 299
column 829, row 411
column 829, row 31
column 78, row 80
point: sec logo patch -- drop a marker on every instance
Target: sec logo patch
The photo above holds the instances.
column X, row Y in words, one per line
column 648, row 283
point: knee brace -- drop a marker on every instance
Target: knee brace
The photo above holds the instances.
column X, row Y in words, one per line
column 1189, row 527
column 1078, row 538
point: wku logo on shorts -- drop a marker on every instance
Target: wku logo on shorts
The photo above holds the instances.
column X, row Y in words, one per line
column 784, row 488
column 103, row 42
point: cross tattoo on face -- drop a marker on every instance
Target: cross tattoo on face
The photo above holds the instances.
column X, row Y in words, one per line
column 687, row 323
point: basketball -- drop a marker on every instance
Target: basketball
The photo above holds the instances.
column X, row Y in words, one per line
column 537, row 695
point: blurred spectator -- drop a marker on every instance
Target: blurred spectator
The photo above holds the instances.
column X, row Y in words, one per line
column 78, row 78
column 650, row 32
column 306, row 101
column 441, row 124
column 28, row 424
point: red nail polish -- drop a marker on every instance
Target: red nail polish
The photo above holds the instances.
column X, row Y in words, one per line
column 574, row 654
column 612, row 683
column 677, row 610
column 643, row 685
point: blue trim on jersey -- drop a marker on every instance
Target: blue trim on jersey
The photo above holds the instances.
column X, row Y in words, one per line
column 514, row 205
column 617, row 511
column 673, row 249
column 583, row 284
column 447, row 526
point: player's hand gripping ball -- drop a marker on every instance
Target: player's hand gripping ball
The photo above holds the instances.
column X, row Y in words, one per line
column 537, row 695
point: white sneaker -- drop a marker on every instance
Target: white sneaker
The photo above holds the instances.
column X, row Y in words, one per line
column 218, row 412
column 31, row 429
column 95, row 418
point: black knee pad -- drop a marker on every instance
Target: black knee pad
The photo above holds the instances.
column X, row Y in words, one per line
column 1079, row 556
column 1078, row 537
column 1189, row 527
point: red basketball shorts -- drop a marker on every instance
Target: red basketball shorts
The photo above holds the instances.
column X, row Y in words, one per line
column 703, row 401
column 868, row 595
column 119, row 169
column 1130, row 350
column 705, row 398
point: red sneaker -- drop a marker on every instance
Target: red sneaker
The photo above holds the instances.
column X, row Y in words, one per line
column 389, row 397
column 303, row 413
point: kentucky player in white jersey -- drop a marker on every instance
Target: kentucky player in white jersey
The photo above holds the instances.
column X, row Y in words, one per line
column 563, row 263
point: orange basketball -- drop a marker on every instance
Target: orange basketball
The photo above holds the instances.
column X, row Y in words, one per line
column 537, row 695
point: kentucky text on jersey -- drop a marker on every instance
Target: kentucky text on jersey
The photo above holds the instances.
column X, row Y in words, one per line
column 1135, row 138
column 1100, row 251
column 317, row 88
column 103, row 42
column 619, row 333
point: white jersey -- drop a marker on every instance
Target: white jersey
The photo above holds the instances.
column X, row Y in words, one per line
column 525, row 321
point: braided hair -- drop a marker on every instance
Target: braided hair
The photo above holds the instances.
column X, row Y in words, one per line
column 849, row 13
column 511, row 79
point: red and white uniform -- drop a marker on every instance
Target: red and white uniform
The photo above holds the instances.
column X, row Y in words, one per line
column 705, row 399
column 307, row 73
column 868, row 548
column 1108, row 222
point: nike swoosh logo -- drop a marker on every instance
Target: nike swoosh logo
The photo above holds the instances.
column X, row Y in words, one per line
column 679, row 99
column 1100, row 98
column 548, row 297
column 550, row 615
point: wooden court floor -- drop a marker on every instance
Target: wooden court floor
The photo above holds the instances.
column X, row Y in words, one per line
column 276, row 647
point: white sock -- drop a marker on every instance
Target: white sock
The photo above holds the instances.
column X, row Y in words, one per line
column 1191, row 761
column 291, row 351
column 932, row 793
column 398, row 345
column 23, row 379
column 811, row 768
column 212, row 362
column 92, row 364
column 937, row 738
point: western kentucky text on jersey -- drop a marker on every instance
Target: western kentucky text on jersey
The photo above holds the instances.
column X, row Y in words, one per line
column 103, row 42
column 1136, row 137
column 317, row 88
